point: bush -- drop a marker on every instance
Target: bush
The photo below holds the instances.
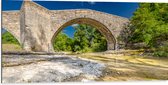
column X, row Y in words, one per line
column 162, row 51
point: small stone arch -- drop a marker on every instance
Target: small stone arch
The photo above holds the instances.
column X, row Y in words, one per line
column 111, row 41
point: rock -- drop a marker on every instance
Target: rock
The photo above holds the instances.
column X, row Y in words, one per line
column 55, row 69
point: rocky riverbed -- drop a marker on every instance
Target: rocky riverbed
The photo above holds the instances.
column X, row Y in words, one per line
column 86, row 67
column 49, row 68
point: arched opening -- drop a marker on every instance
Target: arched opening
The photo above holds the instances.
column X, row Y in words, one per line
column 9, row 42
column 102, row 29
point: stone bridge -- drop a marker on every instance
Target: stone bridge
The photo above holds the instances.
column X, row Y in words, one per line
column 35, row 26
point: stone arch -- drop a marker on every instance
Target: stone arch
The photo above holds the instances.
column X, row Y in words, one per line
column 111, row 41
column 12, row 33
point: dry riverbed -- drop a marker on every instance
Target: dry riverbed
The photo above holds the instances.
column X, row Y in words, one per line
column 130, row 66
column 49, row 68
column 108, row 66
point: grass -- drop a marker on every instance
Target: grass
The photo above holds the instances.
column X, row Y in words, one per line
column 11, row 48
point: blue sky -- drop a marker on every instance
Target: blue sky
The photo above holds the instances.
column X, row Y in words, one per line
column 117, row 8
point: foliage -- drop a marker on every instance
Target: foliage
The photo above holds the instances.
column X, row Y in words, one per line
column 125, row 34
column 62, row 43
column 86, row 39
column 150, row 23
column 8, row 38
column 162, row 51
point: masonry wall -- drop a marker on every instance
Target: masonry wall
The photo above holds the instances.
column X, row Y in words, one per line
column 36, row 27
column 11, row 22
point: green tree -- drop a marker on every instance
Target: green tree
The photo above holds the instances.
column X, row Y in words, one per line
column 87, row 38
column 62, row 42
column 150, row 23
column 81, row 41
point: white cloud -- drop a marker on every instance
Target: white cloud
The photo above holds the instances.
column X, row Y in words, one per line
column 74, row 25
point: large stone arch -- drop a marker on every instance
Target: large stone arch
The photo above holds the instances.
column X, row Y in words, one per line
column 109, row 25
column 111, row 41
